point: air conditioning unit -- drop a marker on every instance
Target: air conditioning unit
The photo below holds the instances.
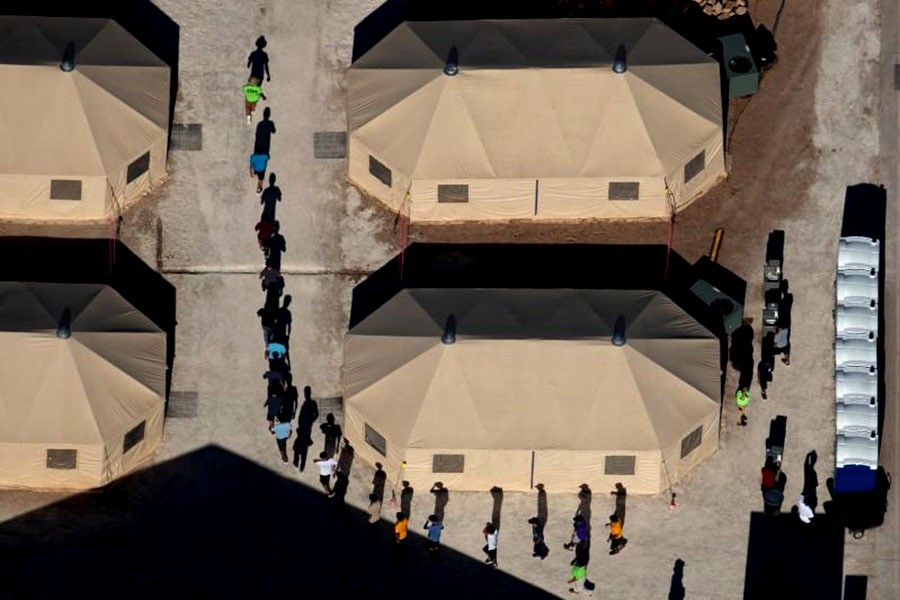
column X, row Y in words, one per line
column 740, row 68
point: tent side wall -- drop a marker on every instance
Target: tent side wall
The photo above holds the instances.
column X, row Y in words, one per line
column 713, row 172
column 565, row 470
column 359, row 170
column 118, row 463
column 28, row 197
column 127, row 192
column 673, row 467
column 24, row 466
column 354, row 427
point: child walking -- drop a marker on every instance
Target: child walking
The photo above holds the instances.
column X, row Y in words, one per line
column 252, row 93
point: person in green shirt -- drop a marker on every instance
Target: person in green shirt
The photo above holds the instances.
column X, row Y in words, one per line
column 579, row 578
column 252, row 93
column 742, row 399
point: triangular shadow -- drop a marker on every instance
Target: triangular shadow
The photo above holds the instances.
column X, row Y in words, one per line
column 211, row 524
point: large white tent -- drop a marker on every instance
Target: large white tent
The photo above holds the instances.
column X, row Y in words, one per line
column 79, row 144
column 535, row 123
column 532, row 388
column 82, row 385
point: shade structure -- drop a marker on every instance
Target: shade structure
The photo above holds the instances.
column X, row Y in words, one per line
column 535, row 124
column 82, row 144
column 532, row 388
column 76, row 410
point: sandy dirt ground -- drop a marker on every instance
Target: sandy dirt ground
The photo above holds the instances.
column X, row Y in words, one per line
column 815, row 127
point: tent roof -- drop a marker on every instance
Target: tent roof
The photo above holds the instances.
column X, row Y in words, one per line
column 517, row 107
column 83, row 389
column 89, row 122
column 532, row 369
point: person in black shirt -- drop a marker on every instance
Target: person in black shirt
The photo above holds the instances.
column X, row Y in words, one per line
column 267, row 320
column 265, row 129
column 332, row 432
column 275, row 247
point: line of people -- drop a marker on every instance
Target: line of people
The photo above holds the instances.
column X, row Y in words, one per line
column 773, row 343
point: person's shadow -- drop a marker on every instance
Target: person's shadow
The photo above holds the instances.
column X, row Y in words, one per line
column 270, row 197
column 676, row 588
column 497, row 496
column 810, row 480
column 441, row 498
column 265, row 129
column 406, row 498
column 621, row 495
column 542, row 508
column 345, row 458
column 378, row 482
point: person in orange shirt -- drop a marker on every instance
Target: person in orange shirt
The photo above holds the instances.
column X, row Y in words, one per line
column 401, row 528
column 616, row 541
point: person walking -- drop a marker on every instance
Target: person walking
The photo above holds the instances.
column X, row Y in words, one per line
column 252, row 94
column 258, row 165
column 265, row 129
column 276, row 247
column 374, row 510
column 490, row 546
column 742, row 400
column 401, row 529
column 805, row 513
column 267, row 322
column 540, row 549
column 434, row 527
column 301, row 449
column 579, row 532
column 282, row 431
column 782, row 341
column 616, row 541
column 273, row 408
column 283, row 320
column 332, row 432
column 766, row 367
column 326, row 466
column 768, row 476
column 578, row 581
column 258, row 61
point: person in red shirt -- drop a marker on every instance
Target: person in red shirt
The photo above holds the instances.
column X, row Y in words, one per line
column 769, row 476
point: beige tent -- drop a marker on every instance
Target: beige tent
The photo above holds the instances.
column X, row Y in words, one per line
column 81, row 144
column 76, row 412
column 535, row 125
column 532, row 390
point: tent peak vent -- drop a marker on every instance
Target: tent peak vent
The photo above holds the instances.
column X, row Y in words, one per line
column 451, row 66
column 64, row 330
column 68, row 60
column 449, row 335
column 618, row 337
column 620, row 62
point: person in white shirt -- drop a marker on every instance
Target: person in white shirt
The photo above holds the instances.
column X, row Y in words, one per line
column 805, row 513
column 326, row 467
column 490, row 548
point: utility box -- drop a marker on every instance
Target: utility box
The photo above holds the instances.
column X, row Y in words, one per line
column 741, row 71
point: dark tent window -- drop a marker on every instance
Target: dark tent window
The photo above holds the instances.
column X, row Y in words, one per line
column 624, row 190
column 448, row 463
column 140, row 166
column 133, row 437
column 619, row 465
column 453, row 193
column 379, row 171
column 65, row 189
column 695, row 166
column 691, row 441
column 62, row 459
column 376, row 440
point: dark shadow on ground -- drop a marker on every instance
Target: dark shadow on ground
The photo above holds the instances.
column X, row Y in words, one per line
column 684, row 16
column 787, row 560
column 676, row 587
column 211, row 524
column 141, row 18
